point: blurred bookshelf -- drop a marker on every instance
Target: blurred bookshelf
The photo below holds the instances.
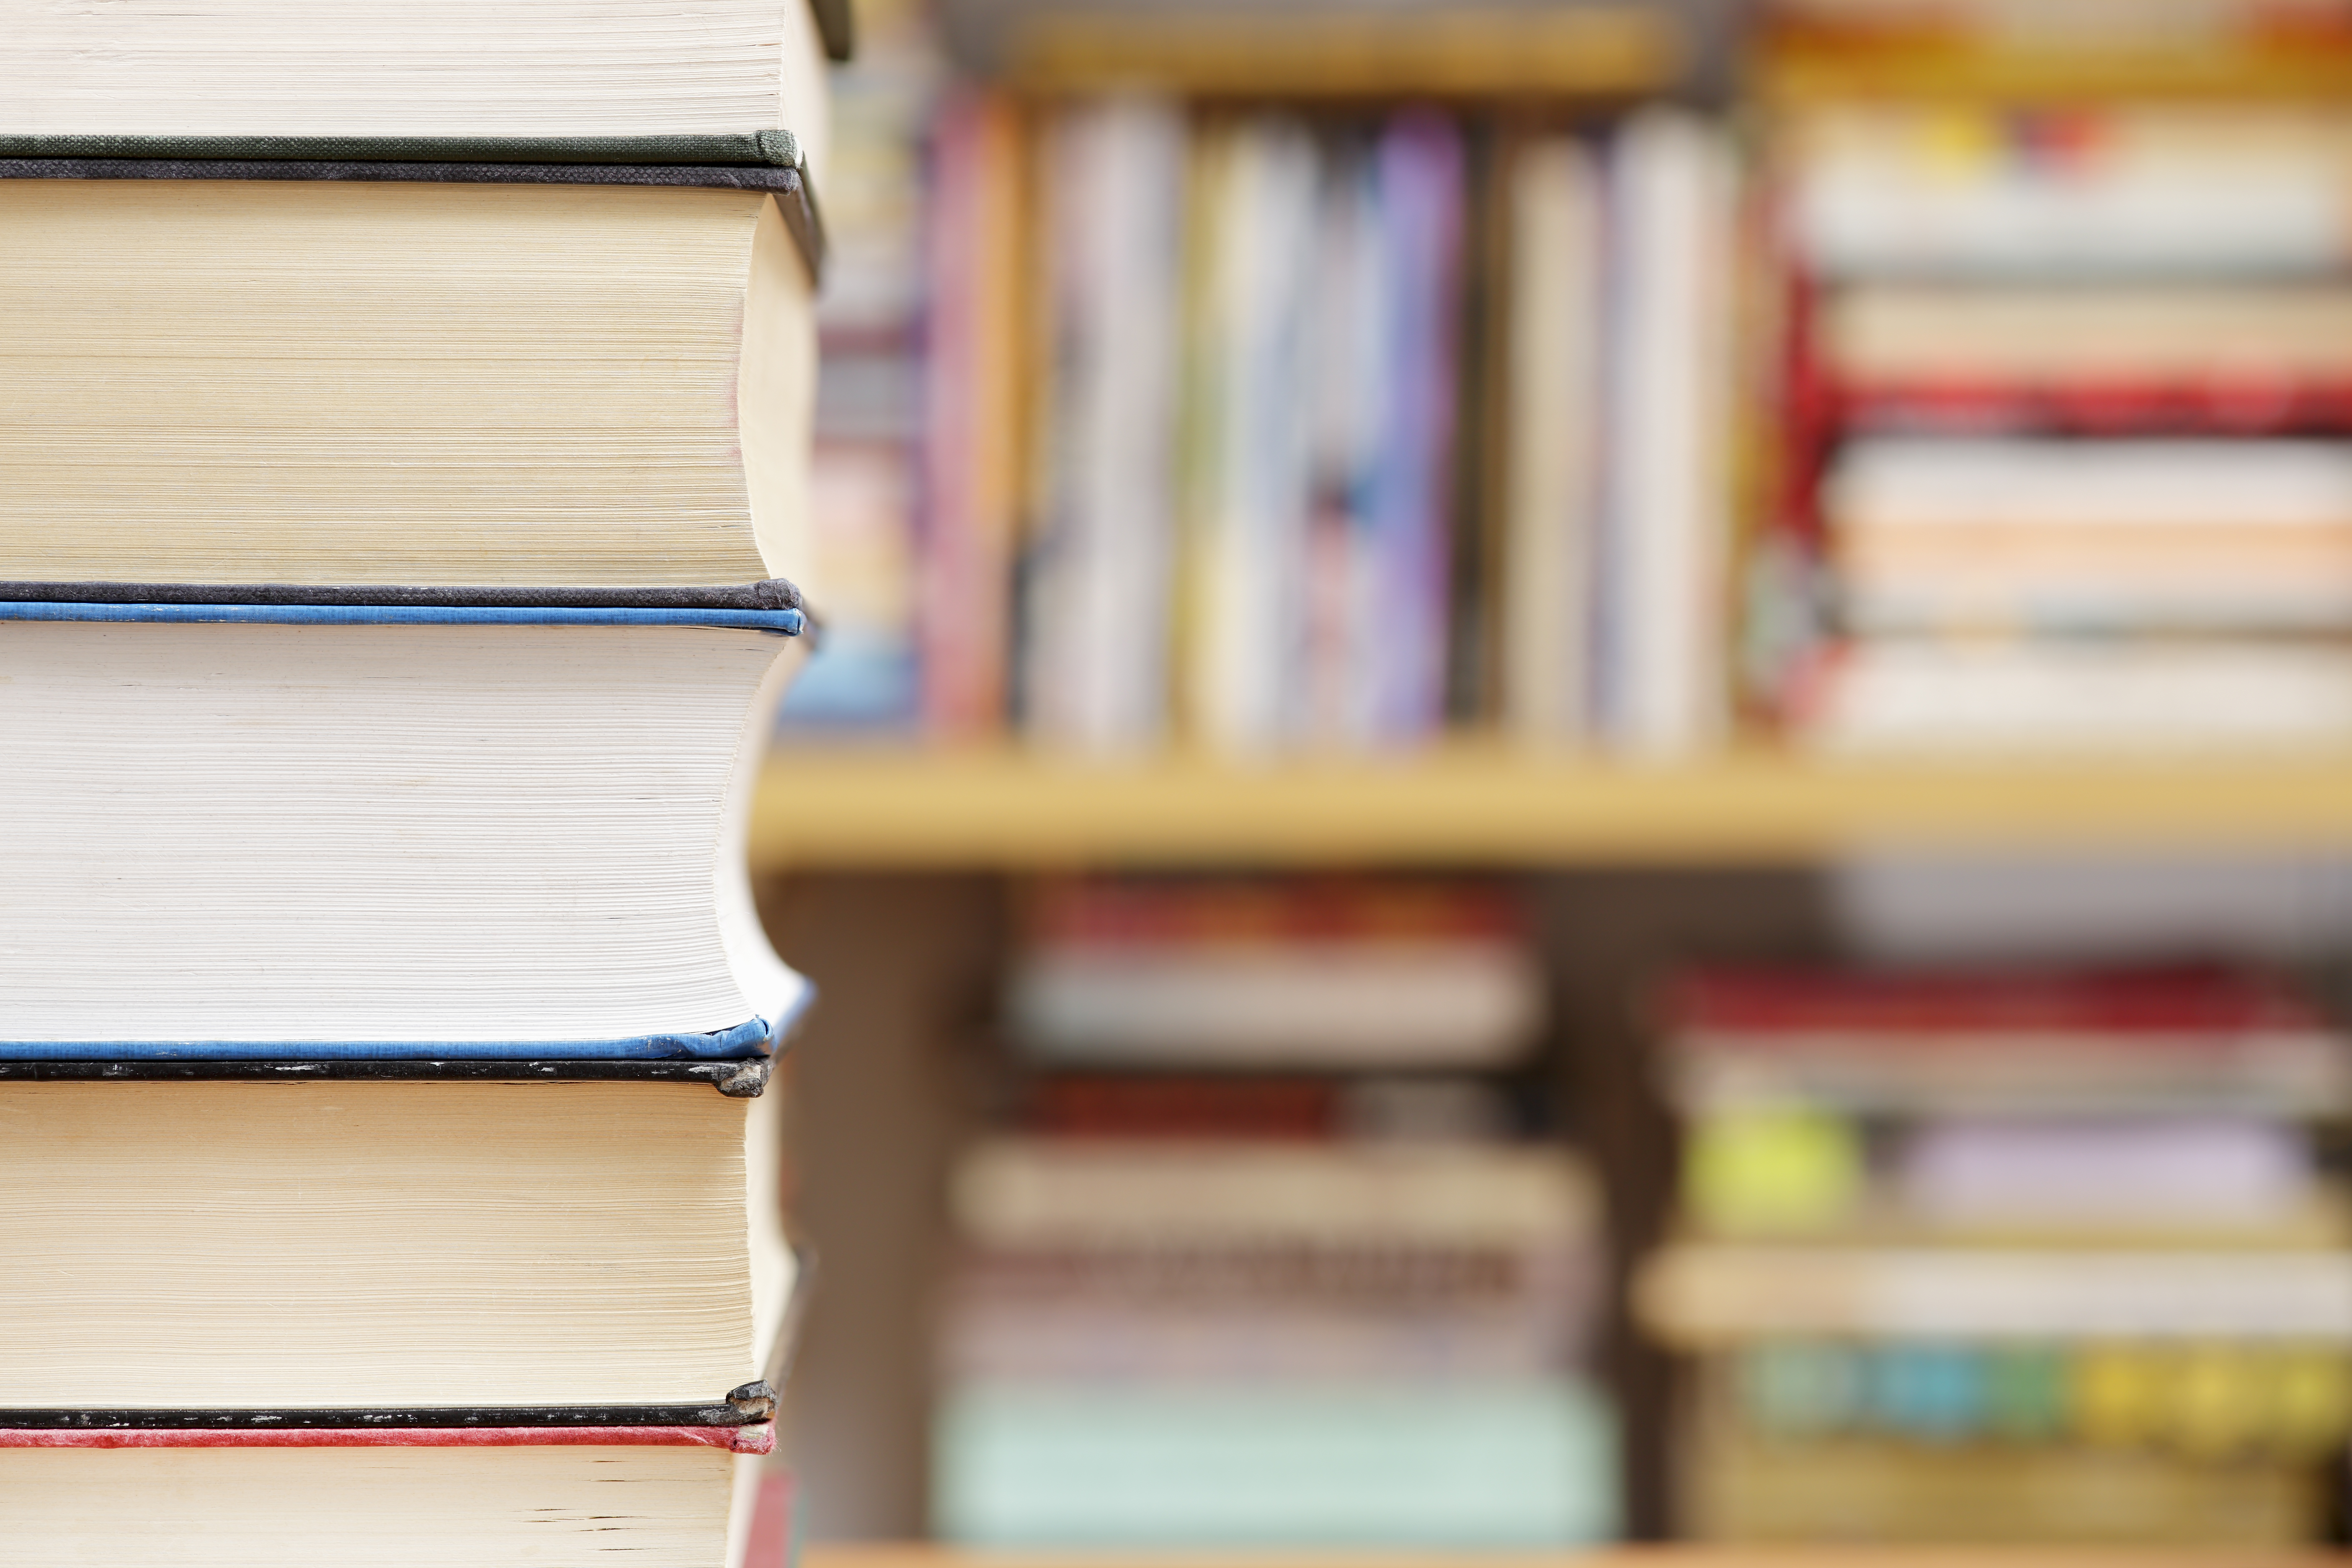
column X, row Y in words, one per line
column 1604, row 571
column 1012, row 808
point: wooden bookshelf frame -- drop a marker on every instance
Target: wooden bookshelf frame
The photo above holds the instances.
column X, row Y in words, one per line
column 834, row 808
column 916, row 1555
column 1619, row 48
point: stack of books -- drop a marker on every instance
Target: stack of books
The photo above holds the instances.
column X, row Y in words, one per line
column 1261, row 1251
column 404, row 447
column 2006, row 1256
column 2063, row 395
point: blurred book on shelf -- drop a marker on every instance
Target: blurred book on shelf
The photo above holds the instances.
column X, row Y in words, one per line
column 2075, row 1240
column 1268, row 975
column 1299, row 1282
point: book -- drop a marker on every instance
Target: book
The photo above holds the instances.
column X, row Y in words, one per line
column 607, row 83
column 1095, row 649
column 2132, row 192
column 2212, row 357
column 1666, row 497
column 2152, row 1174
column 1420, row 214
column 476, row 1497
column 541, row 385
column 1235, row 1106
column 2124, row 1171
column 1366, row 1310
column 1552, row 443
column 973, row 426
column 770, row 1534
column 1950, row 534
column 1506, row 1463
column 1364, row 976
column 427, row 829
column 293, row 1251
column 1036, row 1192
column 2084, row 697
column 1251, row 539
column 1706, row 1294
column 2189, row 1039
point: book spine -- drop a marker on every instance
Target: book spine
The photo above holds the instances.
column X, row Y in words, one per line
column 759, row 1439
column 775, row 149
column 972, row 398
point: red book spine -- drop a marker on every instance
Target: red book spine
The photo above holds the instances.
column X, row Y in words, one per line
column 2097, row 406
column 2180, row 1004
column 737, row 1439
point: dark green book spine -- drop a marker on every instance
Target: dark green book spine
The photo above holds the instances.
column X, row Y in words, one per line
column 750, row 149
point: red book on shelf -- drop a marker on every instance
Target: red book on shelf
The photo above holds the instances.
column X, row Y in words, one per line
column 1115, row 911
column 2093, row 404
column 2187, row 1037
column 2188, row 1005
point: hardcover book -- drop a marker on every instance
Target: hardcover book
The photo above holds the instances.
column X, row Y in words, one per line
column 277, row 1251
column 609, row 81
column 304, row 829
column 424, row 380
column 670, row 1497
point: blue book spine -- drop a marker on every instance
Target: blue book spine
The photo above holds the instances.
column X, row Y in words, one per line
column 752, row 1037
column 783, row 622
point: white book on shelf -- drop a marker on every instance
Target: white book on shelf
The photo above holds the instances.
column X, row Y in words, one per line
column 1551, row 442
column 1258, row 184
column 1095, row 667
column 2194, row 191
column 1699, row 1294
column 1667, row 507
column 2081, row 697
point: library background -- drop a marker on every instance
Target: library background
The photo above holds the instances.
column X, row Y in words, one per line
column 1577, row 772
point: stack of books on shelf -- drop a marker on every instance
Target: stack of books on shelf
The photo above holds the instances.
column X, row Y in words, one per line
column 1977, row 1258
column 2065, row 387
column 404, row 440
column 1320, row 427
column 1263, row 1253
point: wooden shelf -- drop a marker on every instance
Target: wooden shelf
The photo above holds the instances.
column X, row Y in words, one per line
column 1600, row 49
column 1005, row 808
column 911, row 1556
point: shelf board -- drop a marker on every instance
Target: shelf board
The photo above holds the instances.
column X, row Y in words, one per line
column 912, row 1554
column 1903, row 69
column 1600, row 49
column 835, row 807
